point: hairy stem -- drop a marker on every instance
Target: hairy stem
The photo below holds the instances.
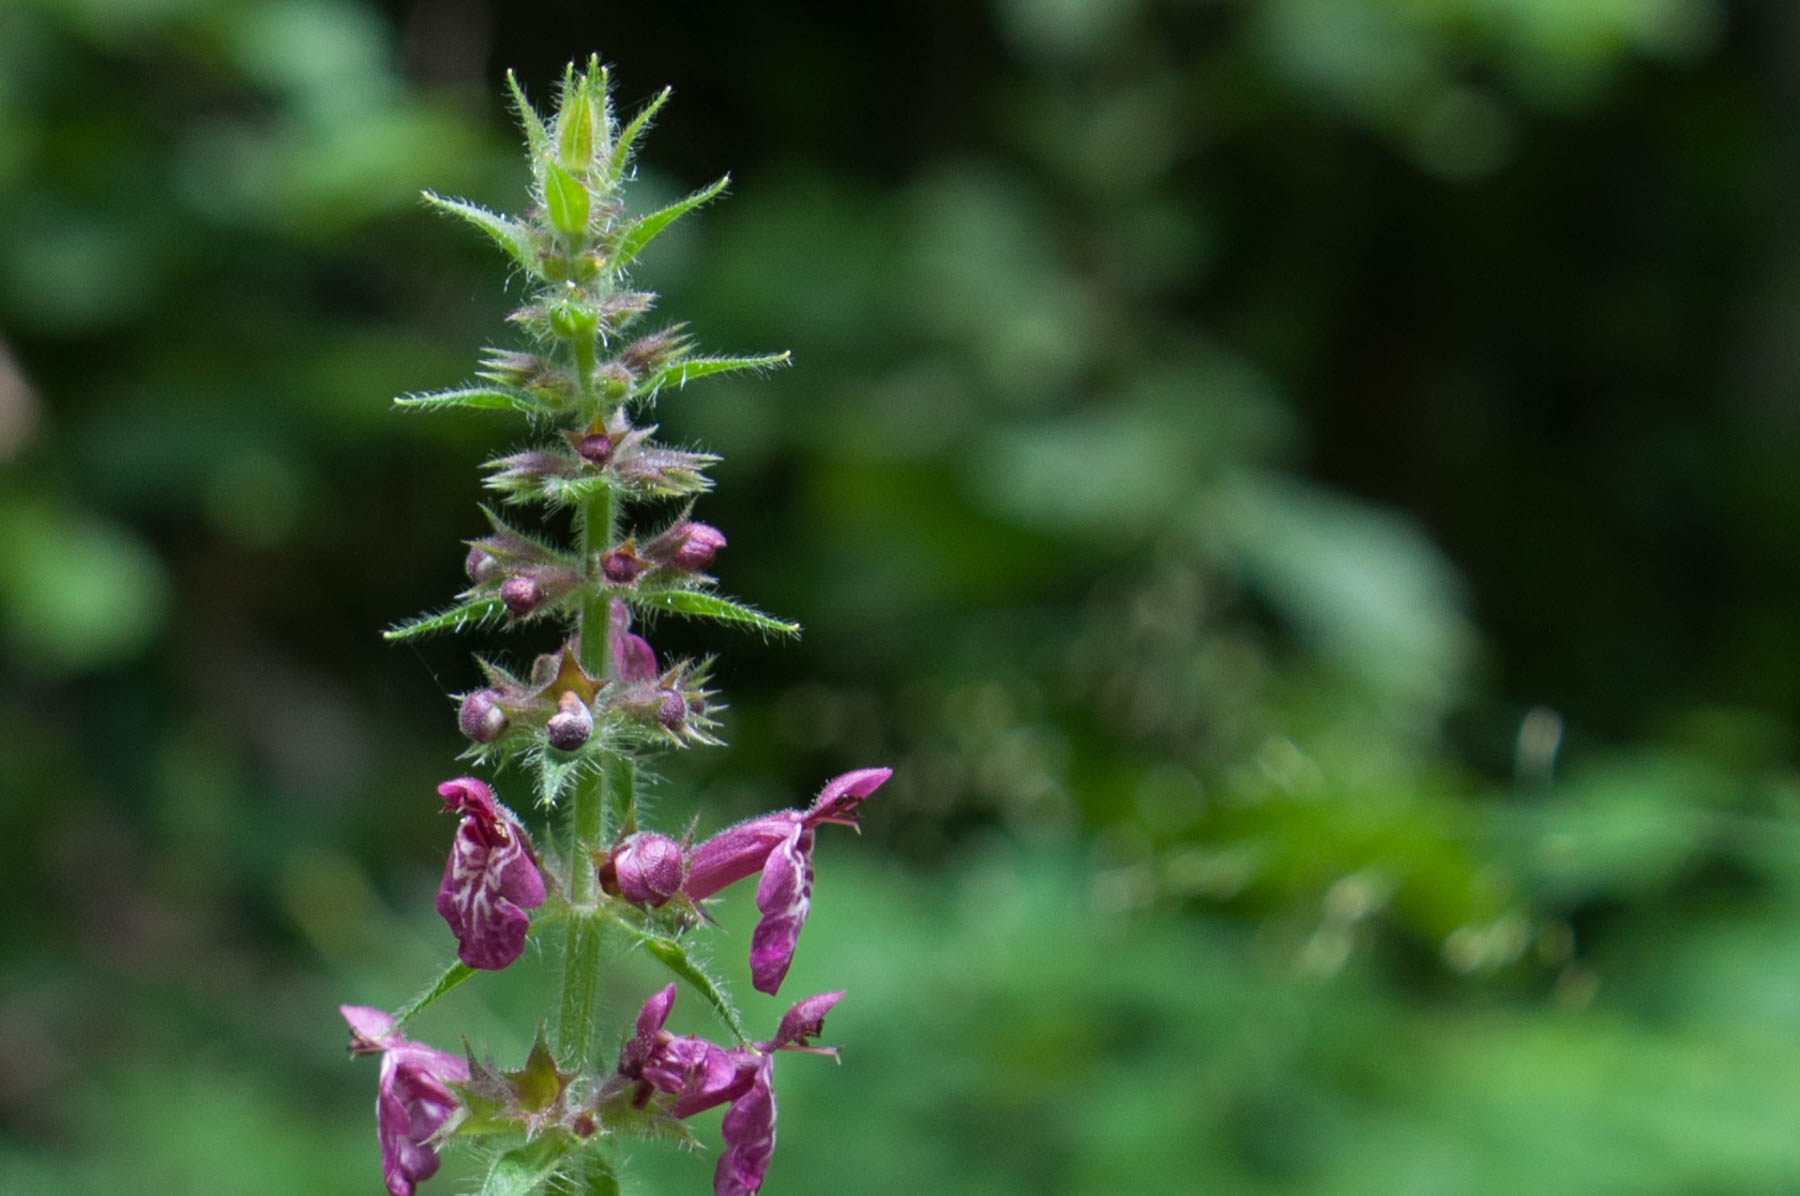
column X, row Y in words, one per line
column 576, row 1031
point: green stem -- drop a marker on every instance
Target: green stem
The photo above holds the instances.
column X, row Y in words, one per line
column 576, row 1031
column 620, row 793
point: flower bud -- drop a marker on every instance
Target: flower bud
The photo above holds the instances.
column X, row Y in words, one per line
column 480, row 565
column 615, row 379
column 698, row 543
column 522, row 595
column 688, row 547
column 648, row 352
column 571, row 725
column 595, row 450
column 572, row 321
column 621, row 566
column 646, row 869
column 673, row 711
column 481, row 717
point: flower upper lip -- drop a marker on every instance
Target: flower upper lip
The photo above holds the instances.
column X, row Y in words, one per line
column 779, row 846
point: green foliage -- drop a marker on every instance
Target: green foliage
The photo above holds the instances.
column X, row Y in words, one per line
column 681, row 962
column 476, row 612
column 1144, row 346
column 524, row 1169
column 637, row 236
column 700, row 604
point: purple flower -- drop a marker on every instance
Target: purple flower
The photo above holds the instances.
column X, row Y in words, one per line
column 688, row 547
column 805, row 1020
column 412, row 1103
column 780, row 847
column 521, row 594
column 702, row 1074
column 632, row 654
column 490, row 879
column 621, row 566
column 572, row 723
column 699, row 1073
column 596, row 449
column 645, row 869
column 481, row 717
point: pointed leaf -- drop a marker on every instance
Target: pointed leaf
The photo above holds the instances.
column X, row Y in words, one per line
column 644, row 230
column 509, row 235
column 537, row 141
column 473, row 613
column 700, row 604
column 627, row 143
column 479, row 398
column 672, row 955
column 549, row 551
column 538, row 1083
column 452, row 976
column 679, row 373
column 520, row 1170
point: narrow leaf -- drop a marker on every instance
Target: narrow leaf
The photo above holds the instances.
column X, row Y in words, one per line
column 675, row 957
column 627, row 143
column 479, row 398
column 510, row 236
column 464, row 615
column 452, row 976
column 536, row 139
column 643, row 230
column 700, row 604
column 520, row 1170
column 679, row 373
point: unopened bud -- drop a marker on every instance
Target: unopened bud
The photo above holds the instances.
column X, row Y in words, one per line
column 573, row 321
column 615, row 378
column 595, row 450
column 648, row 352
column 646, row 869
column 480, row 565
column 697, row 545
column 522, row 595
column 481, row 717
column 583, row 1125
column 673, row 711
column 621, row 566
column 571, row 725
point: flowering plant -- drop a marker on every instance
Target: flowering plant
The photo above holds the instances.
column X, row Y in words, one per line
column 579, row 720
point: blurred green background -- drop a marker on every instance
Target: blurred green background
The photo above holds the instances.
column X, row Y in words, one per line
column 1301, row 491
